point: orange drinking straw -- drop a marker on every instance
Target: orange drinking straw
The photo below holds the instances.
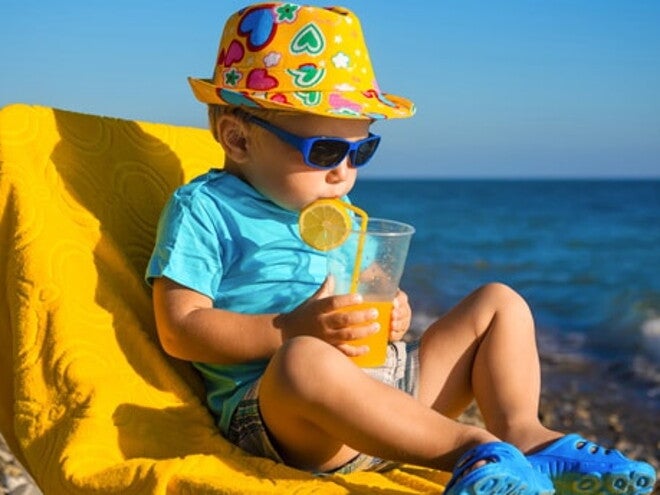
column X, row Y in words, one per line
column 358, row 256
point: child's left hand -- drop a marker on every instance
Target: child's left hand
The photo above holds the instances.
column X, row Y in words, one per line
column 401, row 316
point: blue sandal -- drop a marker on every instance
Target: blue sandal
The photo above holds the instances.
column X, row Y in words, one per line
column 507, row 472
column 578, row 466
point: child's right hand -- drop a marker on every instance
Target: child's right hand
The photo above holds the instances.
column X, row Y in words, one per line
column 321, row 316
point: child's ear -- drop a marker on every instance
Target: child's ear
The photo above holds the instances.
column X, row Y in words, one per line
column 232, row 135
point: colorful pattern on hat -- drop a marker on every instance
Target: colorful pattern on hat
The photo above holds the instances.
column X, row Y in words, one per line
column 299, row 58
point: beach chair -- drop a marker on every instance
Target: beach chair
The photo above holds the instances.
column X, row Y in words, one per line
column 89, row 403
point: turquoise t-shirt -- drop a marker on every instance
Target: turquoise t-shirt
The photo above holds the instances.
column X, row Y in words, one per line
column 220, row 237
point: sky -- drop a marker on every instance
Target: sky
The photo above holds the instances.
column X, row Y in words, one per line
column 504, row 89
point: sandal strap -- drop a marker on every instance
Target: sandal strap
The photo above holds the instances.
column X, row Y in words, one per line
column 488, row 452
column 515, row 472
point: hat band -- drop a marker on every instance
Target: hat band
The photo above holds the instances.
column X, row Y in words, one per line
column 304, row 78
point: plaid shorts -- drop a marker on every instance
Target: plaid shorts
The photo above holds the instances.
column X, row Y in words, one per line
column 248, row 431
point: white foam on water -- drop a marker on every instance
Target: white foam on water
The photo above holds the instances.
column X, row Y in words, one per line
column 651, row 337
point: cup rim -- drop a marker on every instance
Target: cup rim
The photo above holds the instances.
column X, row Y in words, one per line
column 405, row 228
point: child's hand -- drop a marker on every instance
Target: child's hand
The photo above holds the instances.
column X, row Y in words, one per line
column 320, row 317
column 401, row 316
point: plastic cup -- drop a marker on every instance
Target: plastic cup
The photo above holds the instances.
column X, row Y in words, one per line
column 371, row 263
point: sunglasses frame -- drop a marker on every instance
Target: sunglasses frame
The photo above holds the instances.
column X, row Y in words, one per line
column 305, row 144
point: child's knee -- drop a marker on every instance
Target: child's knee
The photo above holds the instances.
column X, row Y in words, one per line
column 503, row 296
column 497, row 301
column 305, row 362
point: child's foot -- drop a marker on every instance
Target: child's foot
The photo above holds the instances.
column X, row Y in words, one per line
column 577, row 466
column 497, row 468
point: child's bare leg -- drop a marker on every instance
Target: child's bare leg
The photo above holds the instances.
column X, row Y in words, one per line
column 315, row 403
column 485, row 348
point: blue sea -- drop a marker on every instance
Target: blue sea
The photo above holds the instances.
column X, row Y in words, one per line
column 585, row 254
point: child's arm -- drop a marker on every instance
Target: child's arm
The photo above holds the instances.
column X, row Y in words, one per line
column 190, row 328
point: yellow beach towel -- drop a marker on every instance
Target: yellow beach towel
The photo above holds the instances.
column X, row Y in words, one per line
column 88, row 401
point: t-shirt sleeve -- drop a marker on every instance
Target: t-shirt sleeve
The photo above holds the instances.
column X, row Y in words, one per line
column 187, row 249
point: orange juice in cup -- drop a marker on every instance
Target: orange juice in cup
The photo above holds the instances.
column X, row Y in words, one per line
column 377, row 342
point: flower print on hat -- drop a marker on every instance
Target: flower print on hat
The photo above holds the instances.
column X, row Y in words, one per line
column 299, row 58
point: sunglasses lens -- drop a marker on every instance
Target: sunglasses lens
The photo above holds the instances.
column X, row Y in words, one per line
column 365, row 151
column 327, row 152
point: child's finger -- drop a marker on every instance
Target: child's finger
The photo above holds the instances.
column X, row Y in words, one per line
column 349, row 318
column 352, row 350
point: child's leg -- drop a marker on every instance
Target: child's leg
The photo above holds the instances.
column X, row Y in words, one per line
column 315, row 402
column 485, row 348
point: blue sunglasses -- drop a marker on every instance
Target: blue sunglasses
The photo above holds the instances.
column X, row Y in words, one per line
column 323, row 152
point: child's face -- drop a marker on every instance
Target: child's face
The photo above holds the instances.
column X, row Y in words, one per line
column 277, row 170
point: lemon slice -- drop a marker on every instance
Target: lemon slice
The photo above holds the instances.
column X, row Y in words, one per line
column 325, row 223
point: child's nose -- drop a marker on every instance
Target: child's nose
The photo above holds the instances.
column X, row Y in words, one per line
column 341, row 171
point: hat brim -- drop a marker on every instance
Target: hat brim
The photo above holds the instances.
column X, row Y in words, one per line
column 339, row 104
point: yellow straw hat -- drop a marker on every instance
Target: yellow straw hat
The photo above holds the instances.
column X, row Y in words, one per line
column 299, row 58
